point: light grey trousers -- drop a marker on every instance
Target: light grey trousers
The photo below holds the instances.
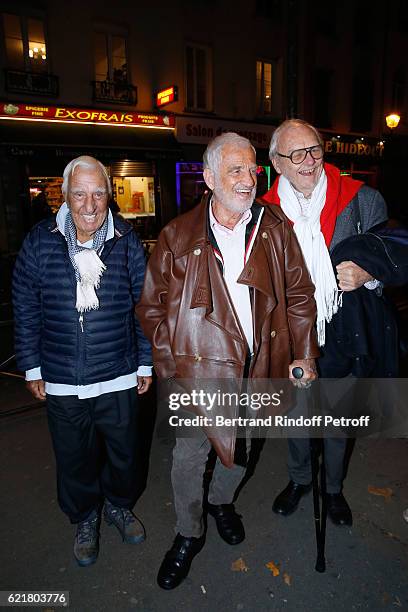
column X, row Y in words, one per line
column 189, row 459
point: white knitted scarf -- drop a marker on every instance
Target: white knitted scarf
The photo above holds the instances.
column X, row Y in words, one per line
column 314, row 249
column 87, row 264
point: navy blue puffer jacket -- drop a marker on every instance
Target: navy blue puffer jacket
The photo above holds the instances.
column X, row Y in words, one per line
column 48, row 332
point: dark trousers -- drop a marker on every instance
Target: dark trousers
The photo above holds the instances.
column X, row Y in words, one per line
column 95, row 445
column 333, row 363
column 299, row 465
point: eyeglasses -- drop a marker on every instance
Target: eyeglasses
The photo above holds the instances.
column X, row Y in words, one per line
column 81, row 196
column 299, row 155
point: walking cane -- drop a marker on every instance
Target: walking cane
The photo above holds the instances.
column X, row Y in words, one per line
column 320, row 519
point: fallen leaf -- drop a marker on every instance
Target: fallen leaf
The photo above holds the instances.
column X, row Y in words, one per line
column 397, row 602
column 287, row 579
column 273, row 568
column 239, row 565
column 385, row 492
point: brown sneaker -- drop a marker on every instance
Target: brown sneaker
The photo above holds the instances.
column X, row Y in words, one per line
column 86, row 545
column 129, row 527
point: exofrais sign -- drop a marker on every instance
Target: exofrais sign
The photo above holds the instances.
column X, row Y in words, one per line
column 66, row 114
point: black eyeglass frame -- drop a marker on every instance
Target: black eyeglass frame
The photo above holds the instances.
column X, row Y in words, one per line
column 306, row 150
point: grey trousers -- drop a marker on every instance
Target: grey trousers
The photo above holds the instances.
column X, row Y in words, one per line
column 189, row 459
column 299, row 465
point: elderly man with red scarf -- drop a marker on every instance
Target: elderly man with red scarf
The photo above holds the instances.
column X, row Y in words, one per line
column 325, row 208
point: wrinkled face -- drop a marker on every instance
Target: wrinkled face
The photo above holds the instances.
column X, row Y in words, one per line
column 234, row 182
column 87, row 199
column 305, row 176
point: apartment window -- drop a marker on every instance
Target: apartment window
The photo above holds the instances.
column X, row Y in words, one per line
column 323, row 97
column 110, row 57
column 398, row 89
column 400, row 23
column 269, row 9
column 25, row 44
column 326, row 18
column 364, row 23
column 362, row 105
column 269, row 87
column 198, row 77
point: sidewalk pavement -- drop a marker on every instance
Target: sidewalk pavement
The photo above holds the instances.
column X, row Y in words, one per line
column 366, row 565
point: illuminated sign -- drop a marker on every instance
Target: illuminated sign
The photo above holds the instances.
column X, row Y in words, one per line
column 340, row 147
column 66, row 114
column 165, row 96
column 200, row 130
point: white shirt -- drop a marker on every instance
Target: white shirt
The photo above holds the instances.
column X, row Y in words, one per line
column 232, row 246
column 128, row 381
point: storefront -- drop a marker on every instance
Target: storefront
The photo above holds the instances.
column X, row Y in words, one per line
column 194, row 134
column 358, row 156
column 138, row 150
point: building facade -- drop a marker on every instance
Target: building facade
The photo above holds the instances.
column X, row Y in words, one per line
column 145, row 87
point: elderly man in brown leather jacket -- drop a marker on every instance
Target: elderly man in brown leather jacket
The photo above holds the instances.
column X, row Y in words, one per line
column 226, row 296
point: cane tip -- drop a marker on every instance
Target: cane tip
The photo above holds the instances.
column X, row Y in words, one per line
column 320, row 566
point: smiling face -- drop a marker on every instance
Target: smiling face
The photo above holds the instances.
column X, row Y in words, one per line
column 234, row 182
column 305, row 176
column 87, row 199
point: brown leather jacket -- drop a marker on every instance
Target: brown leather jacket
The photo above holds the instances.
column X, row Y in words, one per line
column 186, row 312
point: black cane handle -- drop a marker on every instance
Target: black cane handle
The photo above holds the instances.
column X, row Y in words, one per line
column 298, row 372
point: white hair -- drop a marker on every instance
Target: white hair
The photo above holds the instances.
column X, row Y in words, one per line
column 212, row 154
column 84, row 161
column 273, row 147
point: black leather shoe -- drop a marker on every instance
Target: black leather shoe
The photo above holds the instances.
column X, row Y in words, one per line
column 287, row 501
column 229, row 523
column 177, row 561
column 338, row 509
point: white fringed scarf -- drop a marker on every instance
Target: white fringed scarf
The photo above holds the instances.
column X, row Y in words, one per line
column 87, row 265
column 314, row 249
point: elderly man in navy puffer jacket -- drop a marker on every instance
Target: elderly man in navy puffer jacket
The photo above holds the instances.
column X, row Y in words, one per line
column 76, row 282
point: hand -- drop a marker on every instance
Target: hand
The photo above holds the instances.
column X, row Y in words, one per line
column 309, row 372
column 143, row 384
column 350, row 276
column 36, row 388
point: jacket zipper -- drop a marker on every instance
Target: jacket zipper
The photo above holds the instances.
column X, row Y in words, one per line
column 81, row 340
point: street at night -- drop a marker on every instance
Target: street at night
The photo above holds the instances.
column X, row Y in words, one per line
column 203, row 202
column 366, row 564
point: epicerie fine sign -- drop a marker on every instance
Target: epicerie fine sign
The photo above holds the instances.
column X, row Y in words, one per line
column 63, row 114
column 201, row 131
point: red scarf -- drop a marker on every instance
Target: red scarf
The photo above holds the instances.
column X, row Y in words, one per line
column 340, row 191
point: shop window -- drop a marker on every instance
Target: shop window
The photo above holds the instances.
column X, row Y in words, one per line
column 269, row 87
column 46, row 196
column 198, row 77
column 190, row 184
column 135, row 196
column 25, row 43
